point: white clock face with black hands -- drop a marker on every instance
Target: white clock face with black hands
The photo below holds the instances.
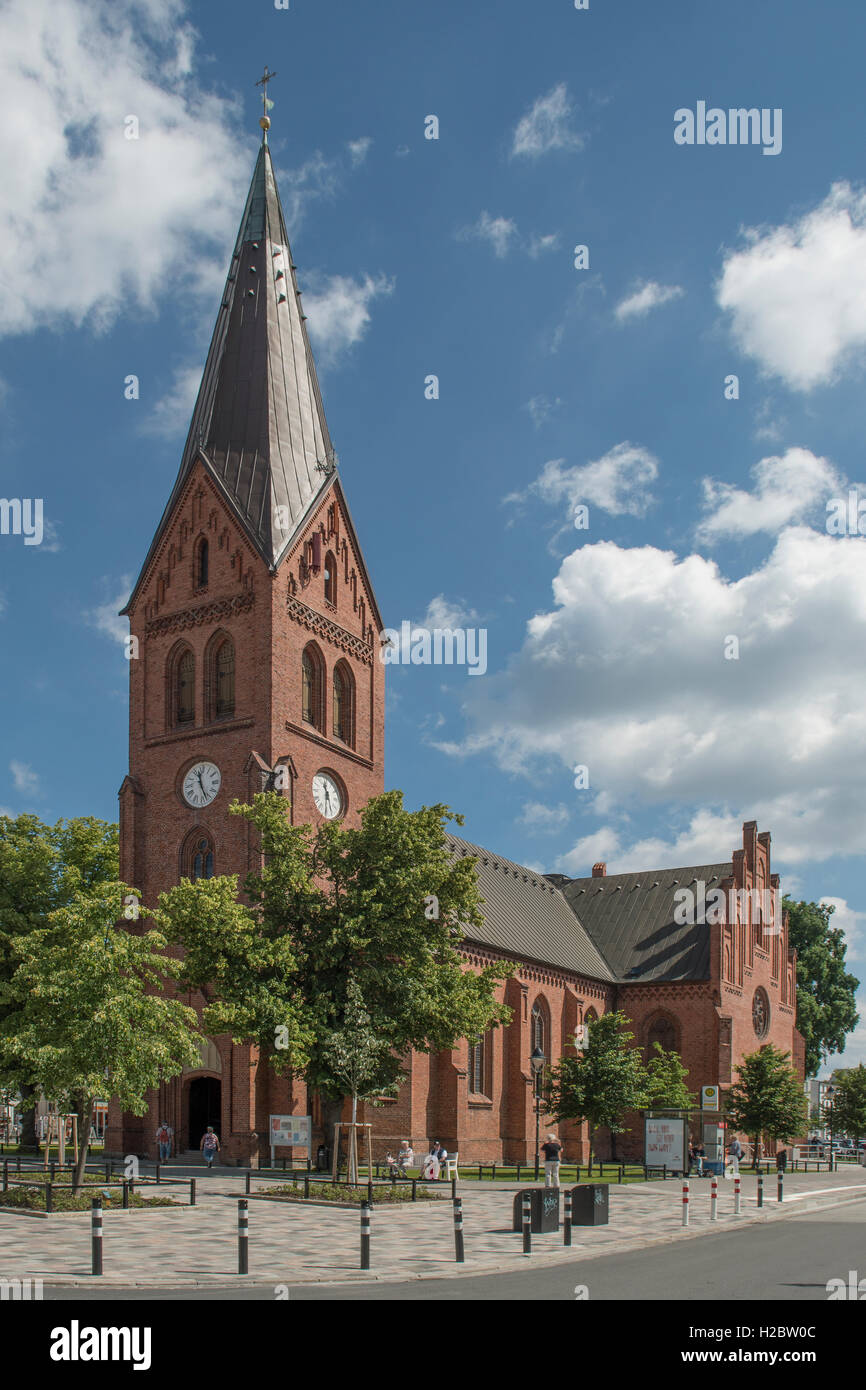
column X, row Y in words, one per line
column 327, row 796
column 201, row 784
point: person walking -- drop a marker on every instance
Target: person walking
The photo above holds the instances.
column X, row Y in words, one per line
column 552, row 1150
column 163, row 1138
column 735, row 1153
column 210, row 1146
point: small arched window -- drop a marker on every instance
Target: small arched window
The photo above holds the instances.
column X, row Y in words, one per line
column 661, row 1030
column 202, row 859
column 224, row 673
column 185, row 688
column 477, row 1062
column 201, row 564
column 344, row 704
column 330, row 579
column 539, row 1029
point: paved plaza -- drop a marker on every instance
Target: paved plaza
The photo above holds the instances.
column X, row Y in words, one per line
column 294, row 1243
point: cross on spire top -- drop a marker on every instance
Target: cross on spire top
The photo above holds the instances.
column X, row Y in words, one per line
column 264, row 119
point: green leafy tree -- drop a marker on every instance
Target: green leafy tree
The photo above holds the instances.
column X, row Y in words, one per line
column 849, row 1102
column 42, row 868
column 826, row 1005
column 767, row 1098
column 666, row 1082
column 89, row 1016
column 383, row 905
column 601, row 1083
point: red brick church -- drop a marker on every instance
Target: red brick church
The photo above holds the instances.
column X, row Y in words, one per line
column 258, row 666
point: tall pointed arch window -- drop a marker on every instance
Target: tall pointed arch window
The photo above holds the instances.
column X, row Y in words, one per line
column 343, row 704
column 538, row 1029
column 312, row 687
column 330, row 579
column 477, row 1065
column 197, row 859
column 662, row 1030
column 224, row 679
column 201, row 564
column 185, row 688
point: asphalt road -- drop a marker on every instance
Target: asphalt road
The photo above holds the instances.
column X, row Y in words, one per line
column 789, row 1260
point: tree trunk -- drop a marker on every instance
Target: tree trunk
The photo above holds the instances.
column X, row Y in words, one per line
column 84, row 1109
column 332, row 1111
column 28, row 1120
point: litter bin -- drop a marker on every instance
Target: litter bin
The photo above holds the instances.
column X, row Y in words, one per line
column 322, row 1159
column 544, row 1208
column 589, row 1204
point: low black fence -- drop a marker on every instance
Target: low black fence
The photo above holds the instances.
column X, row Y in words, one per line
column 127, row 1186
column 308, row 1181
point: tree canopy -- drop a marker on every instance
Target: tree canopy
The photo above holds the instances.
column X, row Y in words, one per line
column 603, row 1081
column 826, row 1006
column 767, row 1098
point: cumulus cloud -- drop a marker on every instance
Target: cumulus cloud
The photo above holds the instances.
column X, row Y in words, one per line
column 796, row 293
column 338, row 310
column 626, row 672
column 359, row 149
column 787, row 488
column 498, row 232
column 547, row 126
column 647, row 296
column 540, row 245
column 105, row 617
column 172, row 412
column 538, row 816
column 25, row 779
column 93, row 223
column 618, row 482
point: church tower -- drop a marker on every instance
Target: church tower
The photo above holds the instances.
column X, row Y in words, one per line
column 256, row 653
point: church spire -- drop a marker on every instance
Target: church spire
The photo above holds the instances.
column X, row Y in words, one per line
column 259, row 424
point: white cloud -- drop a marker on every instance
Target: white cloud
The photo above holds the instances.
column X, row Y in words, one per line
column 538, row 816
column 499, row 232
column 626, row 673
column 852, row 923
column 25, row 779
column 441, row 613
column 546, row 126
column 796, row 293
column 541, row 408
column 92, row 223
column 647, row 296
column 172, row 412
column 618, row 482
column 359, row 149
column 106, row 616
column 788, row 488
column 338, row 310
column 539, row 245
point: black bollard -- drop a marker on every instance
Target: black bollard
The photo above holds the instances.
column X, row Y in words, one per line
column 247, row 1187
column 365, row 1235
column 125, row 1195
column 192, row 1192
column 458, row 1230
column 243, row 1236
column 157, row 1173
column 96, row 1236
column 566, row 1229
column 527, row 1224
column 760, row 1190
column 780, row 1193
column 453, row 1188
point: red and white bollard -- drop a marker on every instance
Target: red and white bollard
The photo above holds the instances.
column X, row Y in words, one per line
column 714, row 1199
column 736, row 1196
column 685, row 1204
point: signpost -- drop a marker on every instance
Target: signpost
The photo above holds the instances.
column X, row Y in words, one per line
column 290, row 1131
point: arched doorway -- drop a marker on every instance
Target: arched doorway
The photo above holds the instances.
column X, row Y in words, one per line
column 205, row 1102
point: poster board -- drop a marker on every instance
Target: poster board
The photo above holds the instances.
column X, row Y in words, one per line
column 290, row 1131
column 666, row 1143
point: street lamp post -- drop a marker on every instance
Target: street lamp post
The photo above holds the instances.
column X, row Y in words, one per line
column 537, row 1062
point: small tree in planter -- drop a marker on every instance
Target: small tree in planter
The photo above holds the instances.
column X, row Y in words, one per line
column 767, row 1098
column 361, row 1063
column 601, row 1083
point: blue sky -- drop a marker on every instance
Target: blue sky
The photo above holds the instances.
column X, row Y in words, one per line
column 558, row 386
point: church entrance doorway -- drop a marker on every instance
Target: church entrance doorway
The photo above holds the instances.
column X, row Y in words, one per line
column 205, row 1099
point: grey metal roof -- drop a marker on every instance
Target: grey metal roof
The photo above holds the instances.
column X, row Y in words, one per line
column 525, row 915
column 259, row 424
column 630, row 917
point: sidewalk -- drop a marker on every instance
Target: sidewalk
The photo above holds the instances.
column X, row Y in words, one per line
column 292, row 1244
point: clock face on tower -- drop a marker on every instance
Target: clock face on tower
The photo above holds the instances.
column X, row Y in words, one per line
column 327, row 796
column 201, row 784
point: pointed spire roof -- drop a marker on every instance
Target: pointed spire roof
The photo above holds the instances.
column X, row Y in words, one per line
column 259, row 424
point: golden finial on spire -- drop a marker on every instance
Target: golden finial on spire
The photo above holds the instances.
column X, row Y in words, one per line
column 265, row 120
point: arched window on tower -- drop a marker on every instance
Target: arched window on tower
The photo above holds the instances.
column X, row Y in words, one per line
column 477, row 1065
column 539, row 1030
column 185, row 688
column 224, row 679
column 312, row 687
column 344, row 704
column 199, row 856
column 330, row 579
column 201, row 564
